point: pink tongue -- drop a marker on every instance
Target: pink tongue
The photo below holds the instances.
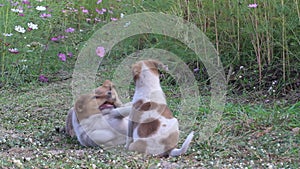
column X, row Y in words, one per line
column 106, row 106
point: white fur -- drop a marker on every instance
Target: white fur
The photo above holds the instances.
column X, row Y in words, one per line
column 108, row 130
column 148, row 89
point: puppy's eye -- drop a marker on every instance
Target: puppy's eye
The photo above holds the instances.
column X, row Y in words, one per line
column 96, row 97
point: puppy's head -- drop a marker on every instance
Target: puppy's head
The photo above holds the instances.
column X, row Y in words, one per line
column 104, row 97
column 108, row 91
column 145, row 65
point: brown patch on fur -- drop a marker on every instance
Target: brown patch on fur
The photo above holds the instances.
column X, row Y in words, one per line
column 135, row 115
column 139, row 146
column 148, row 106
column 148, row 127
column 141, row 106
column 153, row 66
column 137, row 104
column 170, row 141
column 165, row 111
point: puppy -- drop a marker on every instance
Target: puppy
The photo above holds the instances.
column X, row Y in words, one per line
column 152, row 129
column 99, row 118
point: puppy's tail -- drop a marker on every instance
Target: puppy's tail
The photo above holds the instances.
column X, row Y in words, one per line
column 177, row 152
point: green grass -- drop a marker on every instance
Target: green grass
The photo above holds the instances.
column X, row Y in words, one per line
column 250, row 136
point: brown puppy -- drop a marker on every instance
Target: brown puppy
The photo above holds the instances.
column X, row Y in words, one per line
column 152, row 128
column 101, row 91
column 99, row 118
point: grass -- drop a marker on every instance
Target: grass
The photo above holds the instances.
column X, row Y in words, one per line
column 258, row 48
column 250, row 136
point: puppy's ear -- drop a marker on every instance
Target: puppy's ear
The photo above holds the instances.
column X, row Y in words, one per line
column 136, row 70
column 157, row 64
column 79, row 104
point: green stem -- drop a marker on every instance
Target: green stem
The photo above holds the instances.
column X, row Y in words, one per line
column 4, row 41
column 283, row 42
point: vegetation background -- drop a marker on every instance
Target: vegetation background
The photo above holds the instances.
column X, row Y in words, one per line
column 258, row 44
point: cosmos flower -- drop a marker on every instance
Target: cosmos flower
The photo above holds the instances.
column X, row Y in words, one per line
column 17, row 10
column 70, row 54
column 7, row 34
column 100, row 51
column 32, row 25
column 43, row 78
column 40, row 8
column 13, row 50
column 70, row 30
column 44, row 15
column 26, row 2
column 19, row 29
column 113, row 19
column 85, row 11
column 252, row 5
column 62, row 57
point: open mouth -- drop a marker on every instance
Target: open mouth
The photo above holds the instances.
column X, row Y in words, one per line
column 107, row 105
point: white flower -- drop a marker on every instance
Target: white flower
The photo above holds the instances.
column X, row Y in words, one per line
column 7, row 34
column 19, row 29
column 121, row 15
column 32, row 25
column 17, row 10
column 40, row 8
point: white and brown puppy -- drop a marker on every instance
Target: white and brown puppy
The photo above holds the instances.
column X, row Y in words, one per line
column 152, row 129
column 99, row 118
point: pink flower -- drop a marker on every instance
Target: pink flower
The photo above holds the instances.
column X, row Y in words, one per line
column 100, row 51
column 13, row 50
column 54, row 39
column 57, row 38
column 26, row 2
column 252, row 5
column 21, row 14
column 97, row 20
column 43, row 78
column 70, row 30
column 70, row 54
column 99, row 1
column 44, row 15
column 62, row 57
column 113, row 19
column 85, row 11
column 101, row 12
